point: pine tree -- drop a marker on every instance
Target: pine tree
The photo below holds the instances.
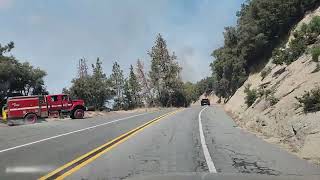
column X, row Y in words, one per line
column 100, row 85
column 164, row 73
column 94, row 89
column 82, row 68
column 135, row 88
column 117, row 81
column 7, row 48
column 159, row 56
column 128, row 99
column 144, row 83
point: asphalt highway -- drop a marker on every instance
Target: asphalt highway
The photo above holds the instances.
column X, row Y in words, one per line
column 190, row 140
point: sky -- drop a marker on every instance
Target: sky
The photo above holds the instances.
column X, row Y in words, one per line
column 54, row 35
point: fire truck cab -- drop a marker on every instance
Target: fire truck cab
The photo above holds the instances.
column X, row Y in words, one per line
column 30, row 108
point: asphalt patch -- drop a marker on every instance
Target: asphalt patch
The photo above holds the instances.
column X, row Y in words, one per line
column 243, row 166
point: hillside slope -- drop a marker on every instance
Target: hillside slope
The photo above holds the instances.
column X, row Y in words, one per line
column 283, row 122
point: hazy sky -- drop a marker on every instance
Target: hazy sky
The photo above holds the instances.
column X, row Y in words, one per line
column 55, row 34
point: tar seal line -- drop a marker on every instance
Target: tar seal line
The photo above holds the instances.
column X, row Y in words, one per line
column 206, row 153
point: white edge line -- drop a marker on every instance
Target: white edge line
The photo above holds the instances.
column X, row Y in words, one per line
column 210, row 164
column 72, row 132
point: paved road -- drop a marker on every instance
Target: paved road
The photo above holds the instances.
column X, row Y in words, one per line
column 35, row 160
column 164, row 145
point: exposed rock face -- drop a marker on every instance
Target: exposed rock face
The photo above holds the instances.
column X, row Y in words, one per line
column 283, row 120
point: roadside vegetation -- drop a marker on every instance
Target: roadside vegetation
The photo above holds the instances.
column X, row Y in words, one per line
column 251, row 95
column 269, row 96
column 307, row 35
column 315, row 52
column 161, row 86
column 261, row 27
column 310, row 101
column 205, row 86
column 265, row 72
column 17, row 78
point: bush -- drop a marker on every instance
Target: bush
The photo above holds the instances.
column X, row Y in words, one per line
column 251, row 95
column 272, row 100
column 307, row 35
column 265, row 72
column 314, row 25
column 315, row 52
column 280, row 55
column 310, row 101
column 296, row 48
column 269, row 95
column 261, row 92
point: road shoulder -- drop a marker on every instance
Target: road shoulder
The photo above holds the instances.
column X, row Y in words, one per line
column 235, row 150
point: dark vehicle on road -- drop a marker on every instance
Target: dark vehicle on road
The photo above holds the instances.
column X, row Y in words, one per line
column 205, row 102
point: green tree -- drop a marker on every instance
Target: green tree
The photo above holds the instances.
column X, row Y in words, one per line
column 158, row 54
column 191, row 92
column 306, row 35
column 7, row 48
column 204, row 86
column 261, row 26
column 94, row 89
column 18, row 78
column 100, row 85
column 135, row 88
column 164, row 73
column 81, row 88
column 66, row 91
column 128, row 98
column 117, row 82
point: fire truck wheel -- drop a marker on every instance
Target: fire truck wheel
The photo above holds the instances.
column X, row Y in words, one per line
column 78, row 114
column 30, row 118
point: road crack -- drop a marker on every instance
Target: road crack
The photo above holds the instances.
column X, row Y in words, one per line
column 243, row 166
column 241, row 163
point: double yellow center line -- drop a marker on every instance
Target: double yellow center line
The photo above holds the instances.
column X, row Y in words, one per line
column 85, row 159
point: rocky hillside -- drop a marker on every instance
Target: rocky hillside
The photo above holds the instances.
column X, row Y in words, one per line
column 274, row 114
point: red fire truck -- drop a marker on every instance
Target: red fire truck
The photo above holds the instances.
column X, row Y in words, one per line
column 30, row 108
